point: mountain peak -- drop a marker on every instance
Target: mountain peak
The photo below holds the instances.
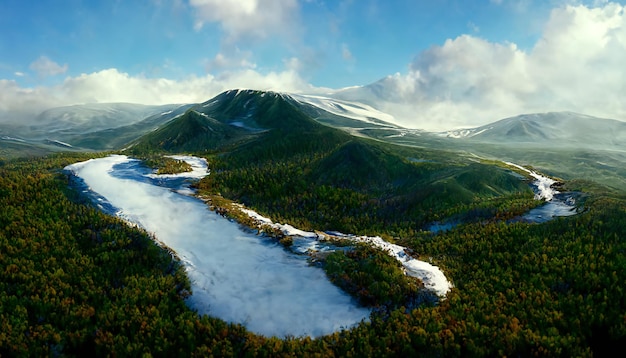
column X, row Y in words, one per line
column 564, row 128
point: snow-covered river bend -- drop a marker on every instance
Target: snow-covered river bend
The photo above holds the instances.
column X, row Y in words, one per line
column 236, row 275
column 556, row 203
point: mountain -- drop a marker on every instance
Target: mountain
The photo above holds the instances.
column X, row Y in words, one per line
column 96, row 126
column 119, row 137
column 110, row 126
column 343, row 114
column 268, row 152
column 554, row 128
column 192, row 131
column 265, row 124
column 85, row 118
column 384, row 90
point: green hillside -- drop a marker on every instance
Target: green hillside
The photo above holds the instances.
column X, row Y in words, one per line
column 269, row 154
column 191, row 132
column 76, row 282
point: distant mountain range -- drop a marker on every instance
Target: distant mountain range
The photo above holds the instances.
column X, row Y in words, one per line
column 555, row 128
column 84, row 118
column 565, row 143
column 113, row 125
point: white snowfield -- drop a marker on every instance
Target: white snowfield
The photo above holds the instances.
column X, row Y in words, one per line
column 432, row 277
column 354, row 110
column 463, row 133
column 199, row 168
column 543, row 184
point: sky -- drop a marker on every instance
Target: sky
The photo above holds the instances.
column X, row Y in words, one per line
column 437, row 63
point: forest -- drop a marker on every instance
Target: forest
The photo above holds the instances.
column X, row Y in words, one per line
column 76, row 282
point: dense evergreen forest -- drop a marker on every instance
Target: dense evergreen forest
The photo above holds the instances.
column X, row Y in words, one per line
column 76, row 282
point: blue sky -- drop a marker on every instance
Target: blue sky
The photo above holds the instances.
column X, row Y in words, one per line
column 339, row 43
column 92, row 50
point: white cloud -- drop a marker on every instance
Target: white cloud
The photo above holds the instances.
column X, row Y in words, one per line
column 473, row 27
column 45, row 67
column 577, row 65
column 346, row 53
column 248, row 18
column 222, row 61
column 293, row 64
column 111, row 85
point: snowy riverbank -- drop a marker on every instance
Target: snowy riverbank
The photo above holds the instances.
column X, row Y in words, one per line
column 432, row 277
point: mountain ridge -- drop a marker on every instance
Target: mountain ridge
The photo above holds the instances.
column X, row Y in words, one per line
column 557, row 127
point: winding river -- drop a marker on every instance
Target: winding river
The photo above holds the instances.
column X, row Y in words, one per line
column 246, row 278
column 237, row 276
column 556, row 204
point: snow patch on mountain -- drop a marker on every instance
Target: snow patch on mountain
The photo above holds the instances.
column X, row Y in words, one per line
column 353, row 110
column 464, row 133
column 543, row 184
column 4, row 137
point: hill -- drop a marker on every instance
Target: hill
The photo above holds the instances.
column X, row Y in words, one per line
column 269, row 153
column 192, row 131
column 98, row 287
column 11, row 147
column 554, row 128
column 562, row 144
column 119, row 137
column 61, row 122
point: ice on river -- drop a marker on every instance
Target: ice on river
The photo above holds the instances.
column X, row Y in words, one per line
column 236, row 276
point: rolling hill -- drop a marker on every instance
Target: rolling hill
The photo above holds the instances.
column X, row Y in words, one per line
column 563, row 144
column 268, row 152
column 96, row 286
column 192, row 131
column 58, row 123
column 551, row 129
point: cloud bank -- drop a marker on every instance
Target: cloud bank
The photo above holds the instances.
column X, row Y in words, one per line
column 576, row 65
column 22, row 104
column 248, row 19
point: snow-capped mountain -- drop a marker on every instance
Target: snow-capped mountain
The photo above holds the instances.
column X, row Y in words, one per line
column 85, row 118
column 347, row 109
column 562, row 128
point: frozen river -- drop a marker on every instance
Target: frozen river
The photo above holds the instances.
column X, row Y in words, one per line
column 236, row 275
column 556, row 204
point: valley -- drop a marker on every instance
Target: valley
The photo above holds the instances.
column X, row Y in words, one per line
column 521, row 281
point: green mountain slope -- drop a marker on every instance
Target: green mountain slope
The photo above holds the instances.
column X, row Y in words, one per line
column 79, row 283
column 193, row 131
column 119, row 137
column 267, row 152
column 566, row 145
